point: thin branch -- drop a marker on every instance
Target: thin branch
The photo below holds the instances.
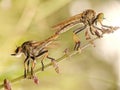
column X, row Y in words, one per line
column 50, row 64
column 64, row 56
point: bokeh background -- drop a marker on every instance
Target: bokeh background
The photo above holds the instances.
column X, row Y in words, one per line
column 95, row 69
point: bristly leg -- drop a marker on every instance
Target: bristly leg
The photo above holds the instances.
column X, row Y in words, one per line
column 95, row 30
column 89, row 38
column 28, row 63
column 97, row 34
column 25, row 67
column 41, row 53
column 32, row 67
column 77, row 42
column 25, row 73
column 77, row 46
column 76, row 38
column 99, row 19
column 45, row 55
column 79, row 29
column 91, row 30
column 42, row 65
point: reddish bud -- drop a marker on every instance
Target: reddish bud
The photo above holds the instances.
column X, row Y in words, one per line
column 36, row 80
column 7, row 85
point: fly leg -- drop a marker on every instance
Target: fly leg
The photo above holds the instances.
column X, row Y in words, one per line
column 28, row 63
column 97, row 34
column 110, row 28
column 33, row 66
column 100, row 29
column 95, row 30
column 25, row 67
column 88, row 37
column 76, row 38
column 41, row 53
column 77, row 42
column 45, row 52
column 45, row 55
column 104, row 25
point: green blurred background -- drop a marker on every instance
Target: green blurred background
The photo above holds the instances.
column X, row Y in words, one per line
column 22, row 20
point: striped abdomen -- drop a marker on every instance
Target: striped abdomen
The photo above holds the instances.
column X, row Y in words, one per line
column 63, row 26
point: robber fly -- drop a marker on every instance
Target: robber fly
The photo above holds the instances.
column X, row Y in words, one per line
column 88, row 18
column 34, row 49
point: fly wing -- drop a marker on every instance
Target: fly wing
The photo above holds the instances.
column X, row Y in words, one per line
column 68, row 23
column 53, row 45
column 34, row 44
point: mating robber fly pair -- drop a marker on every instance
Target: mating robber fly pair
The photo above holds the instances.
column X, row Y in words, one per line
column 35, row 49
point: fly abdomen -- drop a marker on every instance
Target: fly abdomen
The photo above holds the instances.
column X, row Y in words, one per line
column 63, row 26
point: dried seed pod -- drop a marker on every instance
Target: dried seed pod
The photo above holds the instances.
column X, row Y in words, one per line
column 55, row 65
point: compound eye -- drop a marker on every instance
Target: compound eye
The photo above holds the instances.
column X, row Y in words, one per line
column 101, row 16
column 17, row 50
